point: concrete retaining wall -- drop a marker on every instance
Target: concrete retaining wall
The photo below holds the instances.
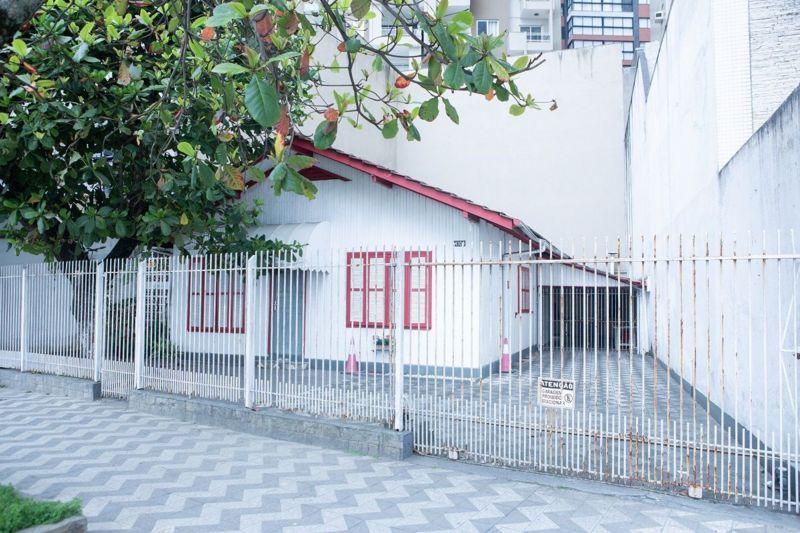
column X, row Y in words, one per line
column 81, row 389
column 370, row 439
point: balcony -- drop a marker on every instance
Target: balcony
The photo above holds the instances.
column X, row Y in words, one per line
column 529, row 43
column 536, row 7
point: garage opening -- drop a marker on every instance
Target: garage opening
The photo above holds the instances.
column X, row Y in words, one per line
column 589, row 317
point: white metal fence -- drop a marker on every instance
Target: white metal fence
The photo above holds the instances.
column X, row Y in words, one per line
column 672, row 362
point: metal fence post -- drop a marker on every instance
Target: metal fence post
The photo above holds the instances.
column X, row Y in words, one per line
column 249, row 336
column 397, row 360
column 99, row 320
column 138, row 340
column 23, row 320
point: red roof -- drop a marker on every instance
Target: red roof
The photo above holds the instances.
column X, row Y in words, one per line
column 381, row 174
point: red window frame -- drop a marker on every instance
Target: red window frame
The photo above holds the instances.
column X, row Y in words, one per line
column 197, row 268
column 523, row 289
column 365, row 290
column 426, row 258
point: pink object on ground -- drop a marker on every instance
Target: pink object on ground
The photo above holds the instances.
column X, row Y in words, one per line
column 505, row 358
column 351, row 366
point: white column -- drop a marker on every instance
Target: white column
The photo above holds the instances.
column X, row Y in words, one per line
column 99, row 320
column 249, row 332
column 23, row 320
column 138, row 340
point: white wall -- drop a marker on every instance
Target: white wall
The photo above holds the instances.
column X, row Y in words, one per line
column 696, row 100
column 720, row 324
column 561, row 172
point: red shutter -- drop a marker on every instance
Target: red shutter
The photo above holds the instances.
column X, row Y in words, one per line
column 418, row 281
column 524, row 293
column 367, row 291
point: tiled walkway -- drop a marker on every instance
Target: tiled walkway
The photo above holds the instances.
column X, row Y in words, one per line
column 138, row 472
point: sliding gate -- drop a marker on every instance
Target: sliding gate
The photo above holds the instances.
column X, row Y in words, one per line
column 672, row 364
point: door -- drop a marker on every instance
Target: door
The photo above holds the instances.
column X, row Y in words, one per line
column 286, row 321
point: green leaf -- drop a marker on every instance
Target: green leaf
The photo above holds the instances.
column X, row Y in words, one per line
column 254, row 174
column 299, row 162
column 86, row 32
column 186, row 149
column 445, row 41
column 325, row 134
column 229, row 68
column 412, row 133
column 450, row 110
column 261, row 101
column 516, row 110
column 429, row 110
column 377, row 64
column 441, row 9
column 434, row 69
column 360, row 8
column 520, row 63
column 352, row 45
column 80, row 52
column 454, row 75
column 481, row 77
column 463, row 18
column 19, row 47
column 498, row 69
column 225, row 13
column 390, row 129
column 281, row 57
column 277, row 177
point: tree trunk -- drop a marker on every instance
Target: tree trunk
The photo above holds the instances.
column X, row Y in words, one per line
column 13, row 14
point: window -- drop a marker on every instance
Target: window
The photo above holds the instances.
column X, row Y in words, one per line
column 488, row 27
column 524, row 294
column 534, row 33
column 216, row 299
column 367, row 288
column 418, row 278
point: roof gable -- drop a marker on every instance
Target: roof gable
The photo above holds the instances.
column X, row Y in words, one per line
column 382, row 175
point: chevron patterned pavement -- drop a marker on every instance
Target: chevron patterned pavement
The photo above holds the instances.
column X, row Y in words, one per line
column 138, row 472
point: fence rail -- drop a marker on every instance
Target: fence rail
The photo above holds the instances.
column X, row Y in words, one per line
column 671, row 362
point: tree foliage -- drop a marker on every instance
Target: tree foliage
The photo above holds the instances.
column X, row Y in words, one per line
column 140, row 122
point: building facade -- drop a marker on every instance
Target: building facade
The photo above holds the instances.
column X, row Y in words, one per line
column 534, row 26
column 595, row 22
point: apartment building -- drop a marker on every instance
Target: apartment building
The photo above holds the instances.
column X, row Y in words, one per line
column 544, row 25
column 596, row 22
column 533, row 26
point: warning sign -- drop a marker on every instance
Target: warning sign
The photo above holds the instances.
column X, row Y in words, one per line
column 558, row 393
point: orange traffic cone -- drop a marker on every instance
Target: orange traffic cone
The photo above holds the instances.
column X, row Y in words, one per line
column 351, row 365
column 505, row 358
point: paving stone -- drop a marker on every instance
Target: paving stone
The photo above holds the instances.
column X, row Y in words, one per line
column 141, row 472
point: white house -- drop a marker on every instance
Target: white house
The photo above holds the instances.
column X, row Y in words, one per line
column 389, row 262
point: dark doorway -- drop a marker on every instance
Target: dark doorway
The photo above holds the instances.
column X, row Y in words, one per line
column 589, row 317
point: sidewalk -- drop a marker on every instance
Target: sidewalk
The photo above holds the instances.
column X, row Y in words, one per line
column 137, row 472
